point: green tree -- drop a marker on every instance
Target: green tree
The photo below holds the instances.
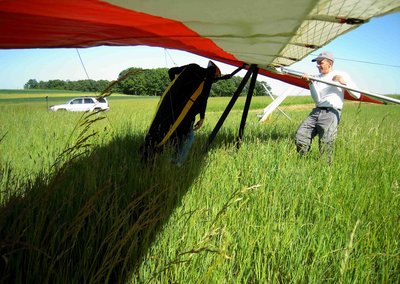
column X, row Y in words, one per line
column 144, row 82
column 224, row 88
column 228, row 87
column 149, row 82
column 31, row 84
column 157, row 81
column 56, row 85
column 259, row 89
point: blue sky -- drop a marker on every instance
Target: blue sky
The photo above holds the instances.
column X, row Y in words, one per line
column 370, row 54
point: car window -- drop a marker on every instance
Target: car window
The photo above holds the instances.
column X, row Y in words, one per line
column 88, row 101
column 76, row 101
column 102, row 100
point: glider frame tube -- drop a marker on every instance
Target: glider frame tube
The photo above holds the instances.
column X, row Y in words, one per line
column 247, row 106
column 232, row 102
column 366, row 93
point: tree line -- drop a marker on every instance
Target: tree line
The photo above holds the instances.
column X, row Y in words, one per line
column 142, row 82
column 80, row 85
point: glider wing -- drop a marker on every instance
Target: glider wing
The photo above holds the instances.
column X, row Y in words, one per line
column 265, row 33
column 275, row 32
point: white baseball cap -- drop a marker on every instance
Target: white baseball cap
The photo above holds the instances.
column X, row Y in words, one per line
column 324, row 55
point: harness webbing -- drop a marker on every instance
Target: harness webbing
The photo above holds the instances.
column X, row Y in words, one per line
column 183, row 113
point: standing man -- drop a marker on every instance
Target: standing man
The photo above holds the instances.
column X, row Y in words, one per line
column 324, row 119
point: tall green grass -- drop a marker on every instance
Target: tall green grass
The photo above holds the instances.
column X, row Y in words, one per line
column 257, row 214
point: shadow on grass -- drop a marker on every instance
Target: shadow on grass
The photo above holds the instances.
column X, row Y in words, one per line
column 229, row 137
column 93, row 221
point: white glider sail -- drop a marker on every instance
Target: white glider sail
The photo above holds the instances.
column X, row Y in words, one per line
column 274, row 32
column 263, row 33
column 329, row 19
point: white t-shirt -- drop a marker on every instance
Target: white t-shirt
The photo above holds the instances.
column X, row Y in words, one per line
column 325, row 95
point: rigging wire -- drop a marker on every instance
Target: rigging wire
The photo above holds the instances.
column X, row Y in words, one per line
column 87, row 75
column 166, row 52
column 363, row 61
column 369, row 62
column 83, row 65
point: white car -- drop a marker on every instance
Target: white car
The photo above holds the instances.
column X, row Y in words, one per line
column 83, row 104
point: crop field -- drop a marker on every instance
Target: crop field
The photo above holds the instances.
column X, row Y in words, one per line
column 78, row 206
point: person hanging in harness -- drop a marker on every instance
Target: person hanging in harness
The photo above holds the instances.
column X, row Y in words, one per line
column 174, row 121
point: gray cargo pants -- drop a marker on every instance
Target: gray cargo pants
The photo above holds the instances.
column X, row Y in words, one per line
column 322, row 122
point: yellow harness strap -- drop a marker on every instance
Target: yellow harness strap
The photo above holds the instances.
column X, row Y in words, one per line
column 185, row 110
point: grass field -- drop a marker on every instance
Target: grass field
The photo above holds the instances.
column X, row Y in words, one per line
column 77, row 206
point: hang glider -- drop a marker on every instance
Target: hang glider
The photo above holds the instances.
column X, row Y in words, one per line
column 265, row 33
column 262, row 34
